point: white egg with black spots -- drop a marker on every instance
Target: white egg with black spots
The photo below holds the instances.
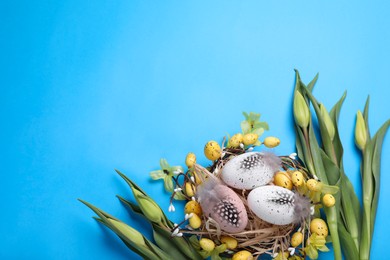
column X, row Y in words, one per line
column 250, row 170
column 277, row 205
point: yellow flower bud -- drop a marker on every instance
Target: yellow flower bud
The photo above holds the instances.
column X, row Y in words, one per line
column 190, row 160
column 301, row 110
column 297, row 178
column 313, row 185
column 319, row 227
column 195, row 221
column 193, row 207
column 231, row 243
column 296, row 239
column 129, row 232
column 271, row 142
column 328, row 200
column 242, row 255
column 327, row 121
column 212, row 150
column 190, row 189
column 236, row 140
column 250, row 138
column 283, row 180
column 207, row 244
column 360, row 131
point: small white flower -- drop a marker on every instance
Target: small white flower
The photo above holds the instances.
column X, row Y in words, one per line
column 176, row 172
column 292, row 250
column 179, row 234
column 250, row 149
column 193, row 198
column 171, row 208
column 216, row 171
column 223, row 154
column 192, row 178
column 275, row 255
column 312, row 210
column 177, row 189
column 242, row 145
column 175, row 232
column 315, row 177
column 293, row 156
column 189, row 227
column 188, row 216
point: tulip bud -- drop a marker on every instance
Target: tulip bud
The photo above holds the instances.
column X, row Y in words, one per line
column 271, row 142
column 360, row 131
column 301, row 110
column 327, row 121
column 150, row 209
column 129, row 232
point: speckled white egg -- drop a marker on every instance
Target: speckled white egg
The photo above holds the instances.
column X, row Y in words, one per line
column 273, row 204
column 250, row 170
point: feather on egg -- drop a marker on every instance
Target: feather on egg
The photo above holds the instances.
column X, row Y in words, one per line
column 250, row 170
column 222, row 204
column 278, row 205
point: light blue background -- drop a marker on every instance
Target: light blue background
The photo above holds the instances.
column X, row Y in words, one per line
column 89, row 86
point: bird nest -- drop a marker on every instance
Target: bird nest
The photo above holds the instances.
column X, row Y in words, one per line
column 259, row 237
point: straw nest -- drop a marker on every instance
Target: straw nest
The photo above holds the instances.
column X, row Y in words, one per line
column 259, row 237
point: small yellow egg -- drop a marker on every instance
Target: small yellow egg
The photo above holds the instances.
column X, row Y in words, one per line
column 193, row 207
column 195, row 221
column 319, row 227
column 297, row 178
column 236, row 140
column 296, row 239
column 207, row 244
column 198, row 180
column 231, row 243
column 249, row 139
column 190, row 160
column 212, row 150
column 283, row 255
column 328, row 200
column 271, row 142
column 313, row 185
column 242, row 255
column 282, row 179
column 190, row 189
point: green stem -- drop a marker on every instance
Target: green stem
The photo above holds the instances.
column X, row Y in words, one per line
column 334, row 157
column 309, row 163
column 365, row 243
column 331, row 217
column 350, row 218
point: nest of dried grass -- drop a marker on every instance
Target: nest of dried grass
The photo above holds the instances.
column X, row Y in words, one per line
column 259, row 237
